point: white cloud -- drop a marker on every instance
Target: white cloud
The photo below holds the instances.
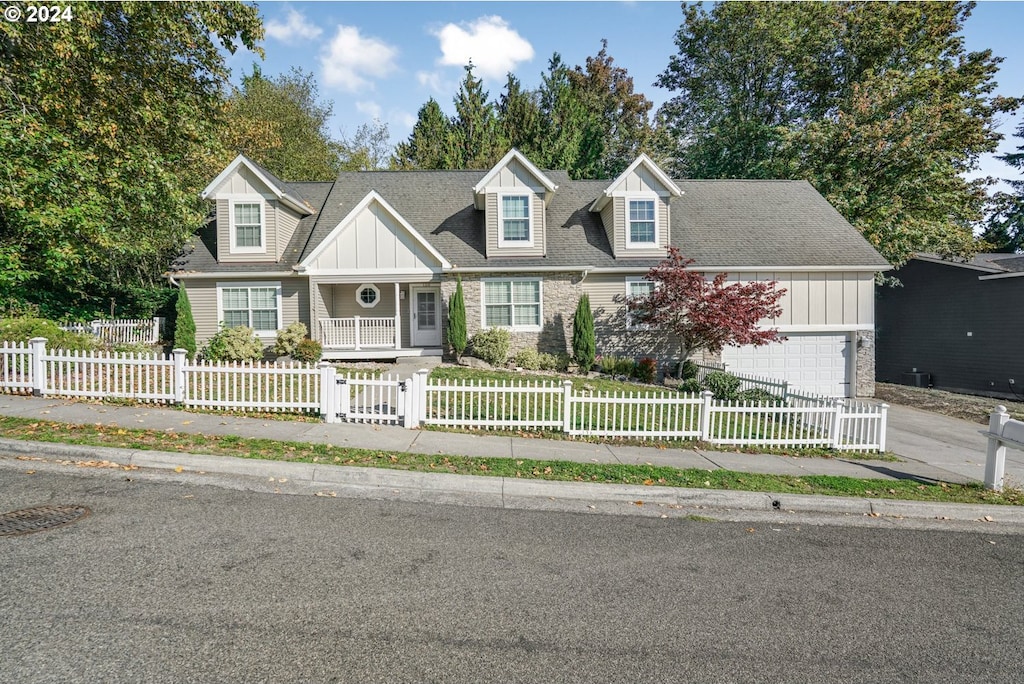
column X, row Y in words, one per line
column 431, row 80
column 369, row 108
column 404, row 119
column 296, row 28
column 351, row 60
column 490, row 42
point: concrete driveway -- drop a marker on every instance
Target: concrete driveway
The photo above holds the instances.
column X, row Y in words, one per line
column 948, row 443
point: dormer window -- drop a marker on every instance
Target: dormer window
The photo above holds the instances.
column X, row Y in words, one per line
column 247, row 227
column 643, row 225
column 515, row 221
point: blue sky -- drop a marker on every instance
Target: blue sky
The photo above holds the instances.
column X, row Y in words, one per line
column 384, row 59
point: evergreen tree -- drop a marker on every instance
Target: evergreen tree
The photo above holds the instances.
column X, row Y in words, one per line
column 584, row 343
column 1005, row 224
column 184, row 324
column 474, row 127
column 457, row 335
column 431, row 144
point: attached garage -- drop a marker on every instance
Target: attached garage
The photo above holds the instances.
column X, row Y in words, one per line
column 814, row 363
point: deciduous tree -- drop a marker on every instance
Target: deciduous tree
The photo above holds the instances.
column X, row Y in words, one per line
column 704, row 314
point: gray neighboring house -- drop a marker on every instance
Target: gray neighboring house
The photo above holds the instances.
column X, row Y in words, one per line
column 955, row 325
column 369, row 261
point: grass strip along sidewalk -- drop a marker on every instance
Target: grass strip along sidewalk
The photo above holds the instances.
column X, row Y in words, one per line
column 609, row 473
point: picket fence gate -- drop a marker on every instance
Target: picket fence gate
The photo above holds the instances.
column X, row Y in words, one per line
column 799, row 420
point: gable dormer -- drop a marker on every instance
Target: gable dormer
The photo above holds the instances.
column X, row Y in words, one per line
column 635, row 212
column 513, row 195
column 256, row 212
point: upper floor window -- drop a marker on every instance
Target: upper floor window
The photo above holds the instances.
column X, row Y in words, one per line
column 642, row 223
column 515, row 219
column 247, row 226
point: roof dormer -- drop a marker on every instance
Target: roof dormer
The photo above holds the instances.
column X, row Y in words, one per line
column 635, row 210
column 514, row 195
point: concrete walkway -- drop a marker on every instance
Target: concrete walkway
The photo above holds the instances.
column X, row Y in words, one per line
column 935, row 448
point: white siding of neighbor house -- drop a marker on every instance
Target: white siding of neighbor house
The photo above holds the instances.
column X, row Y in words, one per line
column 813, row 302
column 374, row 240
column 240, row 184
column 515, row 177
column 202, row 294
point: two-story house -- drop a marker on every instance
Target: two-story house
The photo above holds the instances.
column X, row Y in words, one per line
column 369, row 261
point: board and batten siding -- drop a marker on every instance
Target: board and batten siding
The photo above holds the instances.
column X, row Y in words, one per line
column 240, row 184
column 374, row 240
column 202, row 294
column 515, row 178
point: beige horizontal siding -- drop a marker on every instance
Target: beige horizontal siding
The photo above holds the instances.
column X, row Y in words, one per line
column 202, row 294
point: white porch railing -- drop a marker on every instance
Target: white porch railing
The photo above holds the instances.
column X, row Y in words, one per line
column 358, row 332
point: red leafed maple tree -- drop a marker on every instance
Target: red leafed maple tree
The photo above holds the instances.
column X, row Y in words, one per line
column 706, row 314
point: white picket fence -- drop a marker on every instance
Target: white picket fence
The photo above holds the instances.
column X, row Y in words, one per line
column 800, row 421
column 120, row 330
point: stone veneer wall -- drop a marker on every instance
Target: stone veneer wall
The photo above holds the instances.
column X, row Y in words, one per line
column 560, row 293
column 865, row 363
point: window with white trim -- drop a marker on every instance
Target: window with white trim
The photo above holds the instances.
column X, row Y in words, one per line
column 635, row 289
column 514, row 220
column 247, row 226
column 254, row 306
column 514, row 303
column 367, row 296
column 642, row 230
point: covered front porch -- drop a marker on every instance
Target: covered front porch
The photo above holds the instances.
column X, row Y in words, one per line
column 377, row 320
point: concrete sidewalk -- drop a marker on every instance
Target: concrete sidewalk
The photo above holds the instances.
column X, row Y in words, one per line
column 391, row 438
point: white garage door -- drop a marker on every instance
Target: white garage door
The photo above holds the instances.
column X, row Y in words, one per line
column 818, row 364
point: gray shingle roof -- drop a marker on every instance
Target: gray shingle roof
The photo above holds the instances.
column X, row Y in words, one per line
column 730, row 223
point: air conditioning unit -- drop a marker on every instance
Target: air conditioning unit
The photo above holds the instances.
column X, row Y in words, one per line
column 916, row 379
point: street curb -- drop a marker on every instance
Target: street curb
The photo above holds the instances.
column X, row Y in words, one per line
column 501, row 492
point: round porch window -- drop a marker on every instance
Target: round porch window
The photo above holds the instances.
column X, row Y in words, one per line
column 367, row 296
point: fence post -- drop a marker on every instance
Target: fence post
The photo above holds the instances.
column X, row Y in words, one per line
column 38, row 345
column 179, row 375
column 421, row 397
column 995, row 458
column 343, row 399
column 154, row 336
column 567, row 406
column 705, row 416
column 837, row 420
column 328, row 387
column 882, row 425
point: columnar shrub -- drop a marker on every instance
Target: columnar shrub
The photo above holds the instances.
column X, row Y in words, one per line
column 184, row 324
column 492, row 345
column 457, row 321
column 584, row 345
column 289, row 338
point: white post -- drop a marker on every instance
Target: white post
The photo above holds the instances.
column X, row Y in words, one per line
column 705, row 416
column 38, row 345
column 328, row 388
column 421, row 399
column 179, row 375
column 837, row 423
column 567, row 406
column 356, row 330
column 398, row 318
column 410, row 395
column 155, row 335
column 995, row 458
column 883, row 425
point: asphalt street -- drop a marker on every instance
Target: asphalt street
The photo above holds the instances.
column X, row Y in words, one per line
column 182, row 582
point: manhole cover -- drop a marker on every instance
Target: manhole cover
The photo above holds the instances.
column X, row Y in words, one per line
column 29, row 520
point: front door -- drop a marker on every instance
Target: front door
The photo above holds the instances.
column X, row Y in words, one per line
column 426, row 315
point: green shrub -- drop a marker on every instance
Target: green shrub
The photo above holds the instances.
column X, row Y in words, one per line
column 646, row 369
column 756, row 395
column 308, row 351
column 688, row 370
column 723, row 385
column 625, row 367
column 492, row 345
column 690, row 386
column 457, row 321
column 527, row 359
column 555, row 362
column 607, row 364
column 584, row 345
column 184, row 324
column 289, row 338
column 234, row 344
column 138, row 348
column 23, row 329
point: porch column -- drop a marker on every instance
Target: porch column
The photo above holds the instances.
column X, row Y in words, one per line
column 398, row 318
